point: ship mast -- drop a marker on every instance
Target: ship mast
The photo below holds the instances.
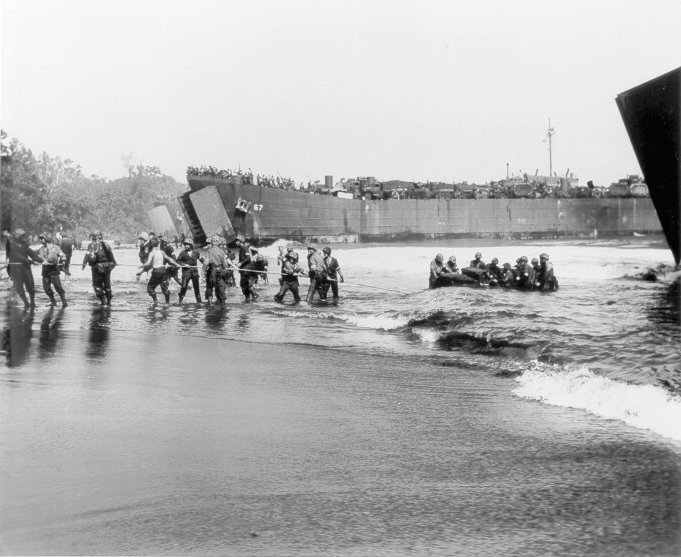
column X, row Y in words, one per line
column 549, row 134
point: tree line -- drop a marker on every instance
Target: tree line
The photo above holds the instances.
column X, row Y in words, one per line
column 43, row 193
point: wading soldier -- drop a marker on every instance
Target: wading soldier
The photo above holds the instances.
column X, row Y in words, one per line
column 189, row 259
column 217, row 264
column 246, row 265
column 333, row 273
column 101, row 259
column 290, row 271
column 51, row 257
column 156, row 262
column 66, row 245
column 20, row 256
column 315, row 264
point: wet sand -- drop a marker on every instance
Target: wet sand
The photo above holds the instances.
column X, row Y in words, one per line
column 120, row 443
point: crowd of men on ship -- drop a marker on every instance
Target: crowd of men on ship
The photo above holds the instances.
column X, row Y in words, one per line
column 536, row 275
column 525, row 186
column 218, row 265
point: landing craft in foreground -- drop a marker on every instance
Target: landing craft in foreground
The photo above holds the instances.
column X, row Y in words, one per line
column 651, row 116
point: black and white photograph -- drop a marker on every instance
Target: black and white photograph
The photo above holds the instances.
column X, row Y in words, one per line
column 360, row 278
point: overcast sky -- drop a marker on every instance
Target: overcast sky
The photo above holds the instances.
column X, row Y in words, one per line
column 415, row 90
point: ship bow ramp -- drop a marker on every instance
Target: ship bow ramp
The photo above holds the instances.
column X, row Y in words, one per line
column 651, row 116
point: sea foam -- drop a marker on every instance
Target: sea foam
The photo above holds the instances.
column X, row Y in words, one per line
column 642, row 406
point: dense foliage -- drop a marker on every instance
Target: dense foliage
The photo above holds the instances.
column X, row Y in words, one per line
column 40, row 193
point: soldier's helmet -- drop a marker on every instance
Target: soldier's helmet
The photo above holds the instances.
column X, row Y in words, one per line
column 293, row 256
column 478, row 255
column 45, row 236
column 98, row 234
column 544, row 256
column 452, row 259
column 239, row 238
column 439, row 258
column 495, row 261
column 19, row 233
column 523, row 259
column 535, row 261
column 507, row 265
column 327, row 251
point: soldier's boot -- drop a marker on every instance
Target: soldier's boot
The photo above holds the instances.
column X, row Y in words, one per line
column 180, row 297
column 32, row 300
column 53, row 302
column 198, row 298
column 108, row 299
column 167, row 297
column 64, row 303
column 25, row 300
column 153, row 297
column 100, row 297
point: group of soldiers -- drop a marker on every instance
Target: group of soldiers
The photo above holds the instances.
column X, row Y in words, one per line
column 537, row 275
column 323, row 270
column 219, row 264
column 54, row 255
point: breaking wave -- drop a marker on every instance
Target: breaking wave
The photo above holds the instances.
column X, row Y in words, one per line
column 383, row 322
column 642, row 406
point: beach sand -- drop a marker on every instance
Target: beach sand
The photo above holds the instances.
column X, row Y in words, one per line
column 116, row 442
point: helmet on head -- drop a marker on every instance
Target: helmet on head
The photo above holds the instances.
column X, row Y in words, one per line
column 293, row 256
column 495, row 261
column 19, row 233
column 523, row 259
column 535, row 261
column 188, row 242
column 45, row 236
column 507, row 265
column 154, row 242
column 478, row 255
column 439, row 257
column 239, row 238
column 98, row 234
column 311, row 247
column 544, row 256
column 452, row 259
column 327, row 251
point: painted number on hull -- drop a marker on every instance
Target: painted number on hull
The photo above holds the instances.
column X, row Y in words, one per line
column 257, row 206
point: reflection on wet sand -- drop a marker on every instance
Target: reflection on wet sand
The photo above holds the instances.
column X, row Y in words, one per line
column 216, row 317
column 49, row 332
column 16, row 338
column 98, row 337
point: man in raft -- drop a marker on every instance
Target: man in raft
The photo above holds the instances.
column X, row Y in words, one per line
column 546, row 279
column 437, row 270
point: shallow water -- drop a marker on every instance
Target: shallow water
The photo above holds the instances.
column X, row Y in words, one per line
column 401, row 420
